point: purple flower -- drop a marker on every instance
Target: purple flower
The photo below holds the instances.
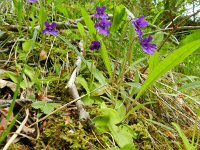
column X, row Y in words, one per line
column 146, row 46
column 50, row 28
column 102, row 27
column 138, row 24
column 31, row 1
column 95, row 45
column 30, row 19
column 100, row 12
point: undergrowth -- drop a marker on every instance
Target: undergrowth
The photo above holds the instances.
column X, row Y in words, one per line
column 139, row 84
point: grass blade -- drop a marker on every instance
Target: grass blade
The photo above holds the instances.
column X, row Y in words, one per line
column 105, row 57
column 89, row 23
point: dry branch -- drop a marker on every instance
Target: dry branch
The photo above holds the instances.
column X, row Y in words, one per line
column 83, row 114
column 14, row 136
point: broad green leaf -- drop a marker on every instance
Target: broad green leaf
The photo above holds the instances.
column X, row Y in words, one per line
column 129, row 147
column 113, row 115
column 27, row 45
column 169, row 63
column 121, row 109
column 101, row 122
column 121, row 134
column 23, row 84
column 87, row 100
column 88, row 22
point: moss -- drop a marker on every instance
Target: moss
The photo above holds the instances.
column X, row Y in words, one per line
column 57, row 134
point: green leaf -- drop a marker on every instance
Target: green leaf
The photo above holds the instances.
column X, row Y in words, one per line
column 92, row 30
column 27, row 45
column 192, row 37
column 122, row 134
column 38, row 104
column 169, row 63
column 129, row 147
column 101, row 122
column 137, row 108
column 153, row 61
column 97, row 73
column 190, row 86
column 84, row 83
column 13, row 76
column 89, row 23
column 113, row 115
column 44, row 106
column 81, row 29
column 61, row 8
column 105, row 57
column 8, row 129
column 30, row 72
column 87, row 100
column 183, row 137
column 158, row 38
column 48, row 108
column 121, row 109
column 119, row 14
column 42, row 17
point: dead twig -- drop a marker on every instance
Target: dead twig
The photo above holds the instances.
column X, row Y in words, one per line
column 14, row 136
column 83, row 114
column 68, row 104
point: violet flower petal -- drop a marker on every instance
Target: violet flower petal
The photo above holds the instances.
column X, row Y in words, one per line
column 95, row 45
column 147, row 46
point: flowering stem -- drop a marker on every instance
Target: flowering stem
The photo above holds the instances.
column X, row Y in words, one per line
column 117, row 53
column 91, row 75
column 128, row 58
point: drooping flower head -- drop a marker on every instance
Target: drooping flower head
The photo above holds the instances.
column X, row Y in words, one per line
column 95, row 45
column 100, row 12
column 138, row 24
column 102, row 27
column 147, row 46
column 31, row 1
column 50, row 28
